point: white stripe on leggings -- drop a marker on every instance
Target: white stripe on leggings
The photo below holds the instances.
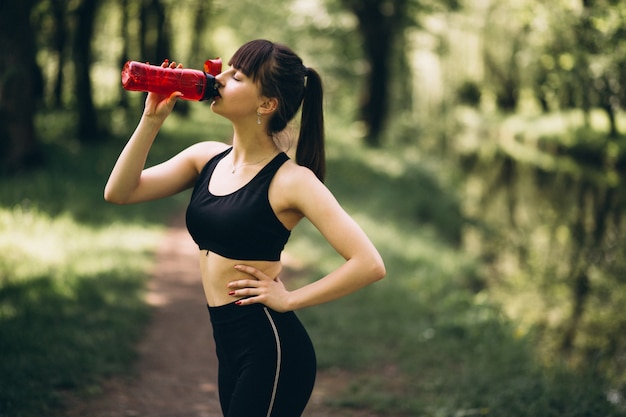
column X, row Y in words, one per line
column 278, row 359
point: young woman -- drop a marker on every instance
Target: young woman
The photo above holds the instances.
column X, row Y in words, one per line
column 246, row 199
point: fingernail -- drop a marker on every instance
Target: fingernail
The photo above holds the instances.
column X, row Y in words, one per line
column 238, row 303
column 231, row 293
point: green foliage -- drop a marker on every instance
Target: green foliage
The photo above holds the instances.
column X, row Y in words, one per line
column 59, row 334
column 72, row 272
column 469, row 93
column 430, row 339
column 481, row 274
column 550, row 191
column 71, row 304
column 427, row 340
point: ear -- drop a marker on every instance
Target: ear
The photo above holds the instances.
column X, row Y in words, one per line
column 269, row 105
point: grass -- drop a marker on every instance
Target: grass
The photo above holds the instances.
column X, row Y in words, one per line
column 70, row 303
column 425, row 341
column 72, row 271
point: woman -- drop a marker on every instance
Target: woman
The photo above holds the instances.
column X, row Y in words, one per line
column 246, row 199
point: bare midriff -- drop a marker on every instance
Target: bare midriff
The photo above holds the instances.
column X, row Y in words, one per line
column 217, row 271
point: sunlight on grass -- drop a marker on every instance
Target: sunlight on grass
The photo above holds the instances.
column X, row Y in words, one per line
column 34, row 244
column 75, row 289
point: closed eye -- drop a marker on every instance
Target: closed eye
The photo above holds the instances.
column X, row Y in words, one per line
column 238, row 75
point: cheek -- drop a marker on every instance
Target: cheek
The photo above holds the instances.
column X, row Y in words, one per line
column 244, row 96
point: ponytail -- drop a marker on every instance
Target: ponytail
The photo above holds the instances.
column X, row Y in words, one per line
column 310, row 150
column 281, row 74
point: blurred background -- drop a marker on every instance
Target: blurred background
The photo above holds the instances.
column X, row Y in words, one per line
column 480, row 143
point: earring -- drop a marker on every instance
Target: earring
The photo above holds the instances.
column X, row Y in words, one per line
column 258, row 118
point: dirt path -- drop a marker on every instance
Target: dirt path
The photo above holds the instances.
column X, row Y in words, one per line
column 176, row 374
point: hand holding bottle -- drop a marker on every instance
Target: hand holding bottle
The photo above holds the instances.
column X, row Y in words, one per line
column 161, row 105
column 168, row 78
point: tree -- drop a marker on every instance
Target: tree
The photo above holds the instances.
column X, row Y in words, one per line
column 381, row 24
column 59, row 38
column 582, row 61
column 154, row 31
column 88, row 129
column 124, row 56
column 20, row 84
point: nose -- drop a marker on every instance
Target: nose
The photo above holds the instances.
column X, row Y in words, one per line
column 218, row 79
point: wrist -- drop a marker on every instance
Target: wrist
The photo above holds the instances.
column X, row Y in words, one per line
column 291, row 303
column 152, row 120
column 150, row 124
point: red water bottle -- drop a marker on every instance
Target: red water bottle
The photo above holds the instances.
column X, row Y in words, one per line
column 194, row 84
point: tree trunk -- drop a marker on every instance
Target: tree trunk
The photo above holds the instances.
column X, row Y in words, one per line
column 125, row 42
column 59, row 12
column 201, row 16
column 19, row 82
column 379, row 23
column 580, row 293
column 155, row 40
column 589, row 252
column 375, row 101
column 154, row 33
column 88, row 129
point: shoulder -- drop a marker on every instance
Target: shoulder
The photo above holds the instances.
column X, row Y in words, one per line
column 292, row 175
column 300, row 186
column 200, row 153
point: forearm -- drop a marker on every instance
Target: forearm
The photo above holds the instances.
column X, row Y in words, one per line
column 126, row 173
column 353, row 275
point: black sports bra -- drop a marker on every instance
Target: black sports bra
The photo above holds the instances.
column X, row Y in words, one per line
column 240, row 225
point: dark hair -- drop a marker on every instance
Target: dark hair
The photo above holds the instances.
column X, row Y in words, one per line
column 281, row 75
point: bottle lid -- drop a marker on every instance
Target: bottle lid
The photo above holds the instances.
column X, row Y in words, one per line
column 213, row 66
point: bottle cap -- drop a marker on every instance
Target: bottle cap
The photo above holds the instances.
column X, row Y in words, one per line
column 213, row 66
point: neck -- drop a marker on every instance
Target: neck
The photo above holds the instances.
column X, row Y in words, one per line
column 248, row 149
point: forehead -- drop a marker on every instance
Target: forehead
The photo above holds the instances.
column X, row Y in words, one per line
column 250, row 59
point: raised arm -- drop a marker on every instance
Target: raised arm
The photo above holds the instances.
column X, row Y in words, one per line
column 130, row 182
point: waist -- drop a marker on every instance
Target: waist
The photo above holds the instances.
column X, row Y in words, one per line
column 227, row 313
column 217, row 271
column 235, row 319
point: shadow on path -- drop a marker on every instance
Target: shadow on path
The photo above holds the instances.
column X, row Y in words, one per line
column 176, row 372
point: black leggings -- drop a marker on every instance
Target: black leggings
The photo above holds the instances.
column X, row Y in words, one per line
column 266, row 360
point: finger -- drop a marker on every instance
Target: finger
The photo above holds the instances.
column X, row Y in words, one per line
column 247, row 301
column 175, row 95
column 244, row 283
column 246, row 292
column 254, row 272
column 165, row 63
column 246, row 268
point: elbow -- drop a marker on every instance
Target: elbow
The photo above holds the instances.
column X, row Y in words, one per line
column 372, row 267
column 111, row 197
column 112, row 200
column 381, row 271
column 378, row 270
